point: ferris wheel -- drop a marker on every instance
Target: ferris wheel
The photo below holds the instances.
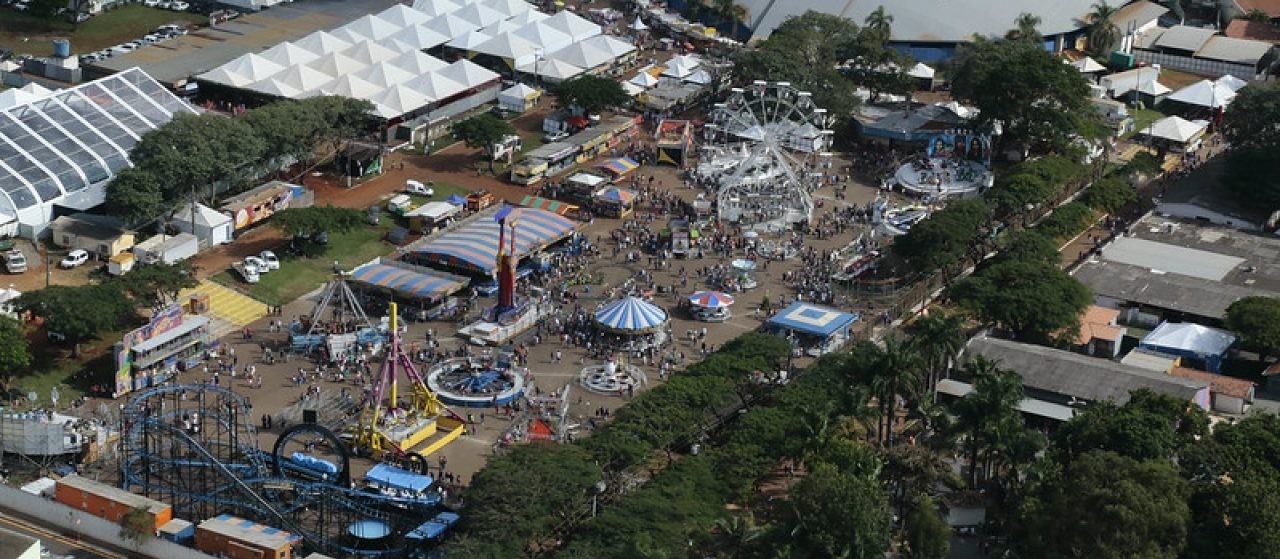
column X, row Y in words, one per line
column 759, row 142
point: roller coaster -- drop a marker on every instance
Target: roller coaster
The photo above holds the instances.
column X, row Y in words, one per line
column 196, row 447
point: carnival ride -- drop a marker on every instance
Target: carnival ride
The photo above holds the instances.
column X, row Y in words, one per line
column 761, row 141
column 469, row 383
column 337, row 322
column 512, row 314
column 196, row 448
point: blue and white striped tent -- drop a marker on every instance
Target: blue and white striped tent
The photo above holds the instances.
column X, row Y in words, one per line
column 631, row 315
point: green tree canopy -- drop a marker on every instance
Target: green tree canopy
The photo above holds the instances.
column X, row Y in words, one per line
column 1131, row 432
column 1252, row 119
column 1039, row 101
column 944, row 237
column 806, row 50
column 483, row 131
column 1103, row 33
column 78, row 313
column 590, row 93
column 305, row 222
column 194, row 150
column 136, row 196
column 156, row 286
column 288, row 128
column 840, row 515
column 1257, row 320
column 1028, row 245
column 1235, row 476
column 927, row 533
column 1107, row 506
column 15, row 352
column 1033, row 300
column 1109, row 194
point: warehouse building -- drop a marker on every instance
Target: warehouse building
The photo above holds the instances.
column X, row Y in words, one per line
column 230, row 536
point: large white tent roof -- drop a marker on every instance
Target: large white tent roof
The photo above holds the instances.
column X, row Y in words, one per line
column 417, row 62
column 554, row 69
column 374, row 27
column 480, row 15
column 404, row 16
column 525, row 18
column 350, row 35
column 615, row 47
column 420, row 37
column 253, row 67
column 500, row 27
column 467, row 73
column 1087, row 65
column 369, row 52
column 1231, row 82
column 509, row 7
column 1174, row 128
column 469, row 41
column 272, row 86
column 546, row 37
column 582, row 55
column 398, row 100
column 302, row 78
column 435, row 86
column 573, row 25
column 322, row 42
column 1204, row 93
column 508, row 46
column 25, row 94
column 385, row 74
column 353, row 87
column 290, row 54
column 336, row 64
column 436, row 7
column 450, row 26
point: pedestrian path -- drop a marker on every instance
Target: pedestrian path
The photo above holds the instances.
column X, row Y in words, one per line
column 227, row 304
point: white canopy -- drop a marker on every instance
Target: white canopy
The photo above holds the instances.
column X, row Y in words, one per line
column 504, row 26
column 516, row 97
column 632, row 89
column 404, row 16
column 450, row 26
column 436, row 7
column 583, row 55
column 435, row 86
column 1152, row 88
column 302, row 78
column 573, row 25
column 1088, row 65
column 480, row 15
column 679, row 67
column 243, row 71
column 470, row 40
column 385, row 74
column 1231, row 82
column 351, row 35
column 699, row 77
column 420, row 37
column 417, row 63
column 353, row 87
column 615, row 47
column 467, row 73
column 509, row 7
column 921, row 71
column 323, row 42
column 272, row 86
column 290, row 54
column 527, row 17
column 374, row 27
column 546, row 37
column 639, row 25
column 554, row 69
column 369, row 52
column 398, row 100
column 336, row 64
column 1174, row 128
column 1204, row 93
column 644, row 79
column 509, row 46
column 22, row 95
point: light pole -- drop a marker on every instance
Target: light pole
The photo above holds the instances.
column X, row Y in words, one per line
column 537, row 58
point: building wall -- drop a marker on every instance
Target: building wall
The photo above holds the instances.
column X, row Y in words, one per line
column 1198, row 65
column 1228, row 404
column 219, row 544
column 102, row 506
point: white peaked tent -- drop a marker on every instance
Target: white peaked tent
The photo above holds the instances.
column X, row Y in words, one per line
column 374, row 27
column 527, row 17
column 615, row 47
column 554, row 70
column 1088, row 65
column 403, row 16
column 498, row 28
column 639, row 25
column 245, row 70
column 470, row 40
column 385, row 74
column 302, row 78
column 679, row 67
column 632, row 89
column 583, row 55
column 1153, row 88
column 517, row 98
column 450, row 26
column 480, row 15
column 548, row 39
column 1204, row 93
column 509, row 7
column 351, row 36
column 289, row 54
column 323, row 42
column 225, row 76
column 22, row 95
column 509, row 46
column 573, row 25
column 353, row 87
column 644, row 79
column 336, row 64
column 1231, row 82
column 369, row 52
column 273, row 86
column 699, row 77
column 396, row 45
column 434, row 86
column 397, row 100
column 417, row 63
column 420, row 37
column 921, row 71
column 467, row 73
column 1174, row 128
column 435, row 8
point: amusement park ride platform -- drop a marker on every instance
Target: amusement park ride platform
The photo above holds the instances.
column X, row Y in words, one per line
column 512, row 315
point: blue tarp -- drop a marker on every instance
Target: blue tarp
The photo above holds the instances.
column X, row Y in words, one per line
column 457, row 200
column 391, row 476
column 474, row 247
column 812, row 319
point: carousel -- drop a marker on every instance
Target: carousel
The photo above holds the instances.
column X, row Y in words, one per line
column 710, row 306
column 759, row 142
column 612, row 378
column 637, row 323
column 743, row 277
column 953, row 166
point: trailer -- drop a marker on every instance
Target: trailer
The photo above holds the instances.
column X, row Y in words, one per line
column 166, row 249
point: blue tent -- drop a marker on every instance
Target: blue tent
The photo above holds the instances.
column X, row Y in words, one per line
column 830, row 326
column 457, row 200
column 631, row 314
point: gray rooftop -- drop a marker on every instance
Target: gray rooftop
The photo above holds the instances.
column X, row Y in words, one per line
column 1074, row 375
column 1171, row 258
column 177, row 59
column 947, row 21
column 1184, row 37
column 1240, row 51
column 1137, row 14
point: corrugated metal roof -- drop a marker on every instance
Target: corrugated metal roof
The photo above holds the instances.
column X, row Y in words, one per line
column 1137, row 14
column 1184, row 37
column 1240, row 51
column 1171, row 258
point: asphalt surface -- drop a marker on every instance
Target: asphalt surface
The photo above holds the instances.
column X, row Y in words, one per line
column 59, row 541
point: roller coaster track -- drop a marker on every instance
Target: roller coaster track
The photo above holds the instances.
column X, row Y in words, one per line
column 218, row 467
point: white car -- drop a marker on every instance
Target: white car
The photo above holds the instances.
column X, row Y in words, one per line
column 269, row 258
column 258, row 263
column 150, row 3
column 416, row 187
column 74, row 258
column 179, row 6
column 20, row 7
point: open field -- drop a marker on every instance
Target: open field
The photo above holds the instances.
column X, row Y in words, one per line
column 25, row 33
column 298, row 276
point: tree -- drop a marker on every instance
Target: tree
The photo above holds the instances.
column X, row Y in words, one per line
column 137, row 526
column 1106, row 506
column 938, row 337
column 897, row 372
column 1033, row 300
column 982, row 413
column 77, row 313
column 1252, row 125
column 590, row 93
column 944, row 238
column 1250, row 175
column 156, row 286
column 732, row 12
column 1028, row 245
column 344, row 118
column 840, row 515
column 1109, row 194
column 927, row 533
column 911, row 470
column 192, row 151
column 46, row 11
column 806, row 50
column 288, row 128
column 483, row 131
column 1126, row 431
column 735, row 535
column 308, row 222
column 1103, row 32
column 136, row 196
column 15, row 352
column 1234, row 475
column 1257, row 14
column 1039, row 101
column 879, row 23
column 1257, row 320
column 1025, row 28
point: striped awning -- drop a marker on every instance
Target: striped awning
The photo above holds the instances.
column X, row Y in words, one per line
column 631, row 314
column 408, row 280
column 474, row 246
column 617, row 195
column 620, row 166
column 540, row 203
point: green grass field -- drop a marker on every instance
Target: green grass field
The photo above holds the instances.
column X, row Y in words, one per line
column 26, row 34
column 297, row 276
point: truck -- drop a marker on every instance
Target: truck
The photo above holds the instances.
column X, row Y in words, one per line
column 248, row 272
column 15, row 262
column 166, row 249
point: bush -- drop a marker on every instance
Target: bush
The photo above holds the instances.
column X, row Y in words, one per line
column 1109, row 195
column 1067, row 221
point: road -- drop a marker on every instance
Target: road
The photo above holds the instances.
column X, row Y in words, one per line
column 57, row 542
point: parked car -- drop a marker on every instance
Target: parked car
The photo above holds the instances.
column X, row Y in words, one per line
column 179, row 6
column 270, row 259
column 81, row 17
column 555, row 137
column 150, row 3
column 20, row 6
column 74, row 258
column 417, row 187
column 247, row 271
column 15, row 262
column 258, row 263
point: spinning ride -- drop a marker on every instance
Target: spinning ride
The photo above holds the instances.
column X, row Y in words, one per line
column 953, row 165
column 760, row 140
column 460, row 382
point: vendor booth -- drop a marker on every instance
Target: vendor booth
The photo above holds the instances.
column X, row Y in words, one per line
column 1176, row 134
column 814, row 329
column 1199, row 347
column 518, row 98
column 674, row 139
column 431, row 216
column 401, row 279
column 553, row 206
column 637, row 323
column 618, row 167
column 613, row 202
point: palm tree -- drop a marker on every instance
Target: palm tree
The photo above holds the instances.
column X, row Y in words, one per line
column 979, row 415
column 938, row 337
column 734, row 535
column 897, row 372
column 1103, row 32
column 1025, row 28
column 910, row 470
column 880, row 23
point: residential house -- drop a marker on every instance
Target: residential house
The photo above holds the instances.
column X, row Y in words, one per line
column 1229, row 394
column 1099, row 334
